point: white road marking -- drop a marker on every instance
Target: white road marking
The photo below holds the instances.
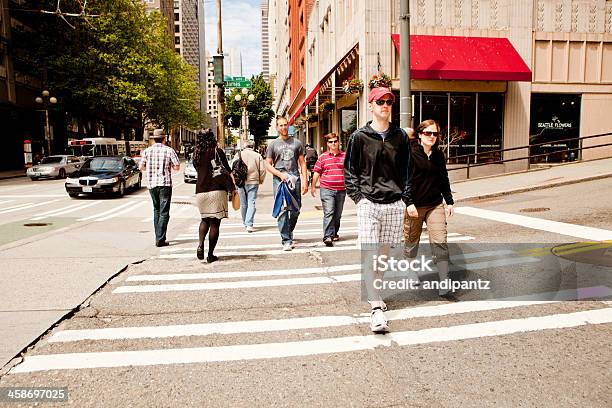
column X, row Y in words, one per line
column 65, row 210
column 275, row 225
column 112, row 210
column 6, row 201
column 297, row 250
column 309, row 348
column 32, row 195
column 298, row 281
column 118, row 213
column 28, row 206
column 14, row 206
column 572, row 230
column 242, row 234
column 259, row 246
column 261, row 326
column 251, row 274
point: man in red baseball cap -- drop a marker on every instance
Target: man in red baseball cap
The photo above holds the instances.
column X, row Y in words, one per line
column 376, row 177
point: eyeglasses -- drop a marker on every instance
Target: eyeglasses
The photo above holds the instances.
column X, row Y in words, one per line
column 332, row 141
column 381, row 102
column 430, row 133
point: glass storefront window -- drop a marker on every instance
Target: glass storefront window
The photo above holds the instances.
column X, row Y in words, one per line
column 348, row 124
column 490, row 126
column 462, row 129
column 554, row 117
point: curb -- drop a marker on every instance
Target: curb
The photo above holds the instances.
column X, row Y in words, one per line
column 532, row 188
column 12, row 177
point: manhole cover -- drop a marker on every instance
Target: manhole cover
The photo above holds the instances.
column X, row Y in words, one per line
column 534, row 209
column 37, row 224
column 592, row 253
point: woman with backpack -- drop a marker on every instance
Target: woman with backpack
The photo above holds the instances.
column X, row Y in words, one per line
column 212, row 185
column 249, row 172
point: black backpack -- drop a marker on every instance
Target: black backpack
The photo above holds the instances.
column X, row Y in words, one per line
column 240, row 171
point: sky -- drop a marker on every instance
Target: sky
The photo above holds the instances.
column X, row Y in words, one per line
column 241, row 30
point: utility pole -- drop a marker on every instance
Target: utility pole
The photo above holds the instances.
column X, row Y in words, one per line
column 405, row 95
column 220, row 88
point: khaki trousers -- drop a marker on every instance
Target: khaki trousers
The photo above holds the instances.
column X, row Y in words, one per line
column 435, row 218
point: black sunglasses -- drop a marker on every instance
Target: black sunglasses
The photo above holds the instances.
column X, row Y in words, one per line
column 429, row 133
column 333, row 141
column 381, row 102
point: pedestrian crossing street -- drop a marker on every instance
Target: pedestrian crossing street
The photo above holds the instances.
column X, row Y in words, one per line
column 90, row 209
column 308, row 333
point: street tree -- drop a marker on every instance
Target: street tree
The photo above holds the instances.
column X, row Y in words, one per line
column 260, row 110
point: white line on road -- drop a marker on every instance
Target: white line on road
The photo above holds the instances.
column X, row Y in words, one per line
column 308, row 348
column 14, row 206
column 275, row 225
column 241, row 234
column 251, row 274
column 112, row 210
column 259, row 246
column 65, row 210
column 562, row 228
column 25, row 207
column 297, row 250
column 118, row 213
column 298, row 281
column 261, row 326
column 6, row 201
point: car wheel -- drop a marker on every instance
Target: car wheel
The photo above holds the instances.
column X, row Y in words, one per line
column 62, row 173
column 121, row 191
column 73, row 195
column 34, row 178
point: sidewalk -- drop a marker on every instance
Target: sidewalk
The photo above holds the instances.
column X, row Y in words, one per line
column 12, row 174
column 554, row 176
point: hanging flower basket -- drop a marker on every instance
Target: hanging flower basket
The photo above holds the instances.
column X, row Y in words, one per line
column 380, row 80
column 312, row 117
column 327, row 106
column 299, row 121
column 352, row 85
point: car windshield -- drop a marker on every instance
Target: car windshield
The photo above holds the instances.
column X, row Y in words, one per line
column 104, row 164
column 51, row 159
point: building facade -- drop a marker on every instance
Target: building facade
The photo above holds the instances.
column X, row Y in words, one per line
column 495, row 74
column 166, row 9
column 265, row 41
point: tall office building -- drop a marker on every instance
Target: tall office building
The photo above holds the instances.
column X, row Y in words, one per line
column 166, row 8
column 211, row 90
column 232, row 62
column 265, row 42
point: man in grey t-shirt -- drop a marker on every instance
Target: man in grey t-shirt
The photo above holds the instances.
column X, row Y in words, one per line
column 285, row 156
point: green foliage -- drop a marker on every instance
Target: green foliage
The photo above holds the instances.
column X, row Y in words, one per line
column 260, row 110
column 116, row 67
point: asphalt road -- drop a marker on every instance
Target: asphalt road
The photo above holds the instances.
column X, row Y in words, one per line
column 266, row 327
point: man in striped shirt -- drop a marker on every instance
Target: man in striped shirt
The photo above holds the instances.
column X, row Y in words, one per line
column 329, row 168
column 157, row 164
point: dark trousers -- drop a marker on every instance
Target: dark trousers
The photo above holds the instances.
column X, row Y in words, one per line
column 161, row 197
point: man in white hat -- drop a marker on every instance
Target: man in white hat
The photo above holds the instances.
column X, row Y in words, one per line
column 157, row 163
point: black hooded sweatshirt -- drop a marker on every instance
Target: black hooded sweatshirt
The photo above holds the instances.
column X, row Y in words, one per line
column 378, row 169
column 429, row 177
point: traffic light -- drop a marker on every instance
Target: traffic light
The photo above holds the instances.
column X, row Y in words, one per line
column 218, row 69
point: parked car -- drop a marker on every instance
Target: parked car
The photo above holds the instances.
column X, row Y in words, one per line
column 190, row 174
column 54, row 166
column 104, row 175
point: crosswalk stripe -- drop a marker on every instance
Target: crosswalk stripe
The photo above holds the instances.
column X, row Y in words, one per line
column 297, row 250
column 118, row 213
column 112, row 210
column 300, row 323
column 299, row 281
column 250, row 274
column 6, row 201
column 242, row 234
column 573, row 230
column 69, row 361
column 14, row 206
column 25, row 207
column 65, row 210
column 275, row 224
column 259, row 246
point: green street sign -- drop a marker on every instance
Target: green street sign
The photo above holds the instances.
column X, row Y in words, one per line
column 237, row 82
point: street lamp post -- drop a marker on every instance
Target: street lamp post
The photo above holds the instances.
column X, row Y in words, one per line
column 244, row 123
column 45, row 99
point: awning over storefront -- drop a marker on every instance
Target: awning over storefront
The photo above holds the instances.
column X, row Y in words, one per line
column 464, row 58
column 323, row 80
column 309, row 98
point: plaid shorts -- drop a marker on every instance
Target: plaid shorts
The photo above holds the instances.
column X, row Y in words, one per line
column 380, row 223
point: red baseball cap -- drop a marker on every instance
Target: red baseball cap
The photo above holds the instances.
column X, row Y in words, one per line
column 378, row 93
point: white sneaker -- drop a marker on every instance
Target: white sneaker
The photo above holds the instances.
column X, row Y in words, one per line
column 378, row 323
column 250, row 229
column 287, row 247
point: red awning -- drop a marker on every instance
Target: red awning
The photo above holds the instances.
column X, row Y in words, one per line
column 466, row 58
column 309, row 98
